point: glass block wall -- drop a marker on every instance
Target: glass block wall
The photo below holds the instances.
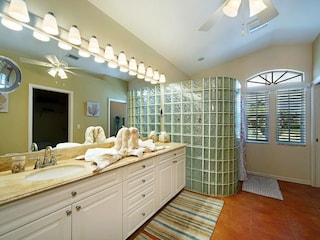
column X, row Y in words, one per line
column 205, row 115
column 144, row 109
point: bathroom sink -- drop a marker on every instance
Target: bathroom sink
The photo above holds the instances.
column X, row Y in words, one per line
column 54, row 172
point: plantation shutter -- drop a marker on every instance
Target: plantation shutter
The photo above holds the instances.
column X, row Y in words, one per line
column 257, row 116
column 291, row 116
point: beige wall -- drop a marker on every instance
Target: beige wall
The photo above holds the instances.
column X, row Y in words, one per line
column 281, row 161
column 316, row 57
column 85, row 87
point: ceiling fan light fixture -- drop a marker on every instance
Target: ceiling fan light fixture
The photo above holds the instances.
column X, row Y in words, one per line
column 231, row 8
column 64, row 46
column 74, row 35
column 11, row 24
column 256, row 6
column 52, row 72
column 40, row 36
column 62, row 74
column 49, row 24
column 19, row 11
column 94, row 45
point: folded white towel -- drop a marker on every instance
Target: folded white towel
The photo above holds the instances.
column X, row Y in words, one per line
column 101, row 157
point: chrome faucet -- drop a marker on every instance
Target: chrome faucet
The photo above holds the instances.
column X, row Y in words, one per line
column 48, row 159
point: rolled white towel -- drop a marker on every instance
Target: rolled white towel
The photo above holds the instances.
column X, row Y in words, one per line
column 89, row 135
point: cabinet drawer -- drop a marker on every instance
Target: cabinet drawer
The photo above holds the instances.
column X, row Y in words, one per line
column 139, row 197
column 138, row 182
column 139, row 167
column 97, row 183
column 133, row 220
column 167, row 156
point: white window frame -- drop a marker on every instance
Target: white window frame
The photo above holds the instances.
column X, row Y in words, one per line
column 273, row 88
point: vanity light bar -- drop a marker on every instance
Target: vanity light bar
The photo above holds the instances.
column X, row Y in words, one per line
column 50, row 29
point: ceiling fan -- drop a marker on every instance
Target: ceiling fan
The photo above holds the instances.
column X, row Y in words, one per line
column 261, row 12
column 56, row 67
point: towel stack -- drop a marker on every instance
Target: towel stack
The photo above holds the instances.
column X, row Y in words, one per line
column 127, row 143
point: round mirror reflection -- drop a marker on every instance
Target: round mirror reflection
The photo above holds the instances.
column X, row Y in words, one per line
column 10, row 75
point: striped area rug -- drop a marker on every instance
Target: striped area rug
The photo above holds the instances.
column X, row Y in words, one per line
column 263, row 186
column 188, row 216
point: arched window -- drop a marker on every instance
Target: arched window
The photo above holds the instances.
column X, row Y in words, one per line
column 290, row 109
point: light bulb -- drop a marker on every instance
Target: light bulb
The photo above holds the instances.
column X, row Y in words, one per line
column 49, row 24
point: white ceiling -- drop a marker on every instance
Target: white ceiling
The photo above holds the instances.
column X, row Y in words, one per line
column 171, row 28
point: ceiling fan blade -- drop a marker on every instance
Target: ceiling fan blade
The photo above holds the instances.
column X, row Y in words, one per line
column 213, row 18
column 35, row 62
column 71, row 72
column 53, row 59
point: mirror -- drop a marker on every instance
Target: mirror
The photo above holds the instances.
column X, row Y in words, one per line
column 10, row 75
column 93, row 82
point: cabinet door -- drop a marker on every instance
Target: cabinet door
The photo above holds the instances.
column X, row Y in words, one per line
column 180, row 173
column 165, row 173
column 98, row 216
column 54, row 226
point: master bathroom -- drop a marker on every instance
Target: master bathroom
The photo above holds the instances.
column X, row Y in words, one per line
column 198, row 99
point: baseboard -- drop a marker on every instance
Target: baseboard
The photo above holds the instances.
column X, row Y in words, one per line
column 281, row 178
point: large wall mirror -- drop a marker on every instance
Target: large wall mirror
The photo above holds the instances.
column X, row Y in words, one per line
column 92, row 82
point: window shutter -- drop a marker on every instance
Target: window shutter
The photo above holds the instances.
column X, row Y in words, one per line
column 291, row 116
column 257, row 116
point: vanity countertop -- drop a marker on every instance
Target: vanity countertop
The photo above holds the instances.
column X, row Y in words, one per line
column 16, row 186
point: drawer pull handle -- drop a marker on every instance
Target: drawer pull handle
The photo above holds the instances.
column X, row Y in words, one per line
column 143, row 195
column 143, row 166
column 143, row 180
column 143, row 214
column 73, row 193
column 78, row 208
column 175, row 161
column 68, row 212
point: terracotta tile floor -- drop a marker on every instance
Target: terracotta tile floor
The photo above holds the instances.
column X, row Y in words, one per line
column 250, row 217
column 247, row 216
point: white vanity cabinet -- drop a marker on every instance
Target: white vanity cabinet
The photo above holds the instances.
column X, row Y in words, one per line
column 110, row 205
column 74, row 211
column 139, row 191
column 171, row 175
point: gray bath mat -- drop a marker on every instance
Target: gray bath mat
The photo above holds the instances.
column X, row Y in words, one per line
column 267, row 187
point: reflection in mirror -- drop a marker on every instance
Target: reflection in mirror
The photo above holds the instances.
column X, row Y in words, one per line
column 117, row 115
column 50, row 120
column 10, row 75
